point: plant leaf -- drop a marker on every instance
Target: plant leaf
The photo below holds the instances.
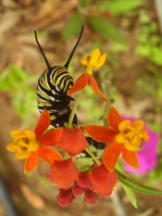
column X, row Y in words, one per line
column 84, row 3
column 131, row 195
column 24, row 101
column 105, row 28
column 136, row 186
column 120, row 7
column 73, row 26
column 11, row 76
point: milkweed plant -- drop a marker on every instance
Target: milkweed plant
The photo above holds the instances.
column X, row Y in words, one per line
column 67, row 148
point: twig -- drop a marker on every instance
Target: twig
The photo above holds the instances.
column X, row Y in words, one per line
column 158, row 5
column 118, row 207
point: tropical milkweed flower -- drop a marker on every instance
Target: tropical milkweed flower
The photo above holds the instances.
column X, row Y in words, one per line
column 72, row 140
column 123, row 136
column 71, row 181
column 31, row 145
column 147, row 156
column 97, row 181
column 94, row 60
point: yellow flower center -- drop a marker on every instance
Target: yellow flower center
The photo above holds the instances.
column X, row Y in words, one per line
column 24, row 142
column 132, row 134
column 94, row 60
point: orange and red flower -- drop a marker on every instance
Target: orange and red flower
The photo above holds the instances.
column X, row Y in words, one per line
column 94, row 60
column 72, row 140
column 31, row 145
column 63, row 173
column 123, row 136
column 98, row 181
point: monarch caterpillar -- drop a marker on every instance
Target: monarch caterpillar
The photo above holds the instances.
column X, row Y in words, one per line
column 52, row 89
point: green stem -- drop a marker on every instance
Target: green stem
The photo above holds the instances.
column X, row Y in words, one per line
column 93, row 156
column 72, row 114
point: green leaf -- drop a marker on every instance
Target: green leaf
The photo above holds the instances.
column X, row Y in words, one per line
column 73, row 26
column 106, row 29
column 120, row 6
column 131, row 195
column 11, row 76
column 119, row 47
column 24, row 101
column 136, row 186
column 84, row 3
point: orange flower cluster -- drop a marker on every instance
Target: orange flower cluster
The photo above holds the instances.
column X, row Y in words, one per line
column 64, row 173
column 61, row 146
column 122, row 136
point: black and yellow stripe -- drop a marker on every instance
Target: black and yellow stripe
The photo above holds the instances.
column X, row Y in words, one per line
column 52, row 94
column 52, row 89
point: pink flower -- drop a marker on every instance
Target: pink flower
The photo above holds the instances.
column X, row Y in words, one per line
column 147, row 156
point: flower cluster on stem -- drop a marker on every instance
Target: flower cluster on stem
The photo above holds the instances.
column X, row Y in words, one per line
column 60, row 147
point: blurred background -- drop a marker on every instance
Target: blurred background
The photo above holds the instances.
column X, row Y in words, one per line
column 129, row 31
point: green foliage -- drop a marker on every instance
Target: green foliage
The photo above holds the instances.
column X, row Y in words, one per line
column 155, row 175
column 131, row 195
column 119, row 6
column 150, row 42
column 153, row 89
column 98, row 22
column 136, row 186
column 84, row 164
column 83, row 3
column 105, row 28
column 92, row 114
column 155, row 126
column 73, row 26
column 19, row 84
column 11, row 77
column 119, row 47
column 24, row 102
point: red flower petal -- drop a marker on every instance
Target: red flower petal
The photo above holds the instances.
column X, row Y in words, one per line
column 77, row 190
column 100, row 133
column 31, row 162
column 65, row 197
column 52, row 137
column 113, row 118
column 90, row 197
column 79, row 84
column 130, row 157
column 84, row 180
column 43, row 123
column 64, row 173
column 50, row 155
column 111, row 154
column 73, row 141
column 102, row 180
column 95, row 87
